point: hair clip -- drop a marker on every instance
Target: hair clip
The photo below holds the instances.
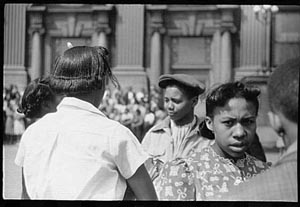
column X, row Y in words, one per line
column 69, row 45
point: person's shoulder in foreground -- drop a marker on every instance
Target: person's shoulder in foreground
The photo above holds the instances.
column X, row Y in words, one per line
column 280, row 183
column 83, row 162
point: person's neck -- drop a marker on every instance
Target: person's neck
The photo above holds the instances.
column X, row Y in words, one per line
column 290, row 131
column 185, row 120
column 223, row 154
column 89, row 97
column 291, row 134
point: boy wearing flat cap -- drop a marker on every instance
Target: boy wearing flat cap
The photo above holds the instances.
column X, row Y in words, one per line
column 179, row 133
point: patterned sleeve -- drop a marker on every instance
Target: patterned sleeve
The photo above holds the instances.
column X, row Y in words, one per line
column 176, row 182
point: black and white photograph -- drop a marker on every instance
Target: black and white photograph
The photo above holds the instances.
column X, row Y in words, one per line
column 150, row 102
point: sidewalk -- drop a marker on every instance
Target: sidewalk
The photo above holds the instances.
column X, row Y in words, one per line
column 12, row 180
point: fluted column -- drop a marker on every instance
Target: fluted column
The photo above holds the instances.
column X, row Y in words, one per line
column 214, row 75
column 155, row 59
column 102, row 40
column 36, row 58
column 36, row 30
column 100, row 37
column 226, row 57
column 156, row 45
column 102, row 29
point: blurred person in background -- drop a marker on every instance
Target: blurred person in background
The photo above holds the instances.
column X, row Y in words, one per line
column 137, row 124
column 10, row 104
column 9, row 122
column 149, row 120
column 127, row 118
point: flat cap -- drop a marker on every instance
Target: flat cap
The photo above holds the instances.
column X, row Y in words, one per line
column 184, row 79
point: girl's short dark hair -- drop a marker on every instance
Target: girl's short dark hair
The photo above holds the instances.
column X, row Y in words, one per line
column 219, row 96
column 81, row 69
column 34, row 95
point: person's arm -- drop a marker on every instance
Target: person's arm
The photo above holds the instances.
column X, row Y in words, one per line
column 141, row 185
column 24, row 190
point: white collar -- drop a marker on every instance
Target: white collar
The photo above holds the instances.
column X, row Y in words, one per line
column 80, row 104
column 183, row 126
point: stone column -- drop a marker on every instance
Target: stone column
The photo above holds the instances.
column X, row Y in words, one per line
column 36, row 30
column 102, row 40
column 36, row 58
column 156, row 55
column 268, row 28
column 102, row 29
column 214, row 75
column 226, row 57
column 100, row 37
column 156, row 45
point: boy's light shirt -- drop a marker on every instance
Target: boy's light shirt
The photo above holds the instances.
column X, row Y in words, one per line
column 292, row 148
column 78, row 153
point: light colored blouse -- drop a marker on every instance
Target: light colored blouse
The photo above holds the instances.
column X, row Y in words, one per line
column 179, row 133
column 205, row 175
column 164, row 142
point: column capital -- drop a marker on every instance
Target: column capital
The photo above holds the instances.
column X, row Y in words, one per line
column 161, row 30
column 227, row 21
column 39, row 30
column 36, row 20
column 228, row 27
column 101, row 16
column 102, row 28
column 157, row 19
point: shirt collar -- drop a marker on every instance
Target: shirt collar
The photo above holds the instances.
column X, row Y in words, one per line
column 292, row 148
column 72, row 102
column 165, row 124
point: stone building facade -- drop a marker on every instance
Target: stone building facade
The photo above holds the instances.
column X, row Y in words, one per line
column 215, row 43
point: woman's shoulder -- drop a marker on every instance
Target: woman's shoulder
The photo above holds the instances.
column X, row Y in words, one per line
column 203, row 154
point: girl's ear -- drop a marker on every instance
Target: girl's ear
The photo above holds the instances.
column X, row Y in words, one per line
column 209, row 123
column 195, row 101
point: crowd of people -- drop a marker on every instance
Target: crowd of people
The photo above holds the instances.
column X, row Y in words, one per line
column 88, row 142
column 14, row 123
column 137, row 110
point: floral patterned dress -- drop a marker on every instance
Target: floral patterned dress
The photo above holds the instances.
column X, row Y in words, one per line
column 205, row 175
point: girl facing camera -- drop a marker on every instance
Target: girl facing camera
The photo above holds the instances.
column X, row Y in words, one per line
column 231, row 112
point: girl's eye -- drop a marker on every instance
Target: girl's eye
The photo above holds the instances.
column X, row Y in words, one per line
column 176, row 101
column 248, row 122
column 228, row 123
